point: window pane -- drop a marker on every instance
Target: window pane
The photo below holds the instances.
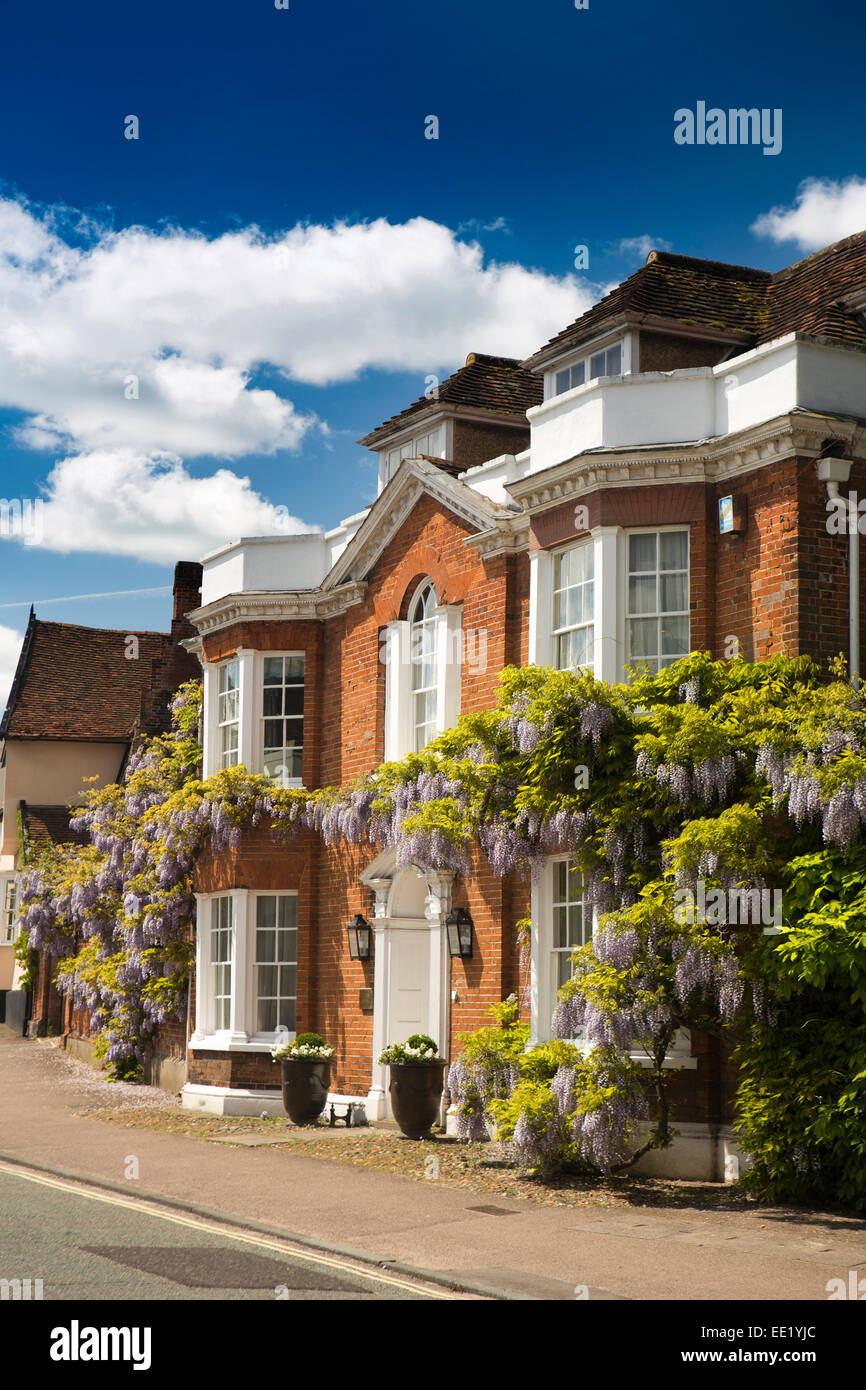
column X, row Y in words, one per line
column 267, row 981
column 266, row 911
column 674, row 589
column 643, row 637
column 288, row 911
column 294, row 732
column 287, row 1014
column 596, row 365
column 288, row 980
column 273, row 700
column 578, row 374
column 266, row 1020
column 287, row 945
column 674, row 550
column 563, row 381
column 273, row 670
column 641, row 553
column 642, row 595
column 560, row 926
column 614, row 360
column 266, row 946
column 294, row 698
column 228, row 677
column 675, row 636
column 295, row 668
column 273, row 733
column 564, row 969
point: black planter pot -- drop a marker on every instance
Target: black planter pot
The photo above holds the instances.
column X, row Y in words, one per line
column 305, row 1087
column 415, row 1089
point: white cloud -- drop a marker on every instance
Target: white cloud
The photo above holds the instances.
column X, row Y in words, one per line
column 824, row 211
column 640, row 246
column 10, row 647
column 126, row 503
column 193, row 318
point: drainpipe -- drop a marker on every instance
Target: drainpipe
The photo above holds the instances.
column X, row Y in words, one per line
column 833, row 472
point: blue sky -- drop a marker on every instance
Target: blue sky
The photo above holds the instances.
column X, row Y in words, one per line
column 303, row 129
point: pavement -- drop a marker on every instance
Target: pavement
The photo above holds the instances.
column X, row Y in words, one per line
column 511, row 1248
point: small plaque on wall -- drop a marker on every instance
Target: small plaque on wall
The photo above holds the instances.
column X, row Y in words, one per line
column 365, row 998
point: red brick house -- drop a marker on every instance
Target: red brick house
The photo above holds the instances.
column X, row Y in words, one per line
column 652, row 481
column 79, row 699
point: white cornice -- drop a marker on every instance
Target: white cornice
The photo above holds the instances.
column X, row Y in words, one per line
column 707, row 461
column 266, row 606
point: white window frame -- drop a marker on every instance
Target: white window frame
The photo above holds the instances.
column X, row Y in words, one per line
column 543, row 981
column 221, row 722
column 544, row 954
column 10, row 930
column 397, row 651
column 257, row 762
column 241, row 1035
column 269, row 1035
column 584, row 358
column 412, row 448
column 625, row 573
column 588, row 626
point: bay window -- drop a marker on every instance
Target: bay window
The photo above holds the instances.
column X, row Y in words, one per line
column 282, row 718
column 221, row 934
column 657, row 612
column 276, row 963
column 572, row 918
column 228, row 715
column 246, row 968
column 574, row 608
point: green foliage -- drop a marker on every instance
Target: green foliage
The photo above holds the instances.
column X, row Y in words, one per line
column 27, row 960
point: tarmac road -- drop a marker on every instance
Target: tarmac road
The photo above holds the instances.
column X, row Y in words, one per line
column 84, row 1245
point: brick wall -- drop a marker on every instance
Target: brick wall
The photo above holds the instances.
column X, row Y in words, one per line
column 476, row 442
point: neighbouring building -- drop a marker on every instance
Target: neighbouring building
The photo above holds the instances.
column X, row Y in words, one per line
column 654, row 480
column 79, row 699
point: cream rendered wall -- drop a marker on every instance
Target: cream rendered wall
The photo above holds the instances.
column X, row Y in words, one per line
column 50, row 772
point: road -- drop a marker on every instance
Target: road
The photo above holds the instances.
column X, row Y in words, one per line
column 85, row 1244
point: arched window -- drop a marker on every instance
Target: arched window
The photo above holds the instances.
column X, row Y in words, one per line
column 425, row 682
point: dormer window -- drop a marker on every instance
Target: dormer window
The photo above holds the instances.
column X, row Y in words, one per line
column 608, row 362
column 427, row 443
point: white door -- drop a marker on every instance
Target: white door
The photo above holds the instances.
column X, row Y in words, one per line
column 409, row 983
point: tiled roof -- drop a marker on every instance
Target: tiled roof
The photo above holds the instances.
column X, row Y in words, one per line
column 77, row 683
column 731, row 299
column 486, row 383
column 51, row 823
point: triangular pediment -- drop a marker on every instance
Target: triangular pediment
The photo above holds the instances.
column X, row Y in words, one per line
column 414, row 479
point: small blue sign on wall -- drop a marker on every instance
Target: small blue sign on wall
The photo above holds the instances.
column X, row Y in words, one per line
column 726, row 515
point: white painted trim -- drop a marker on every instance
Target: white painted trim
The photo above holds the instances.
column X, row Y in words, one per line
column 449, row 665
column 398, row 680
column 540, row 607
column 607, row 649
column 246, row 706
column 241, row 1035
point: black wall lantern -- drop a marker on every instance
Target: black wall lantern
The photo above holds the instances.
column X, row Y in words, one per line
column 459, row 925
column 360, row 937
